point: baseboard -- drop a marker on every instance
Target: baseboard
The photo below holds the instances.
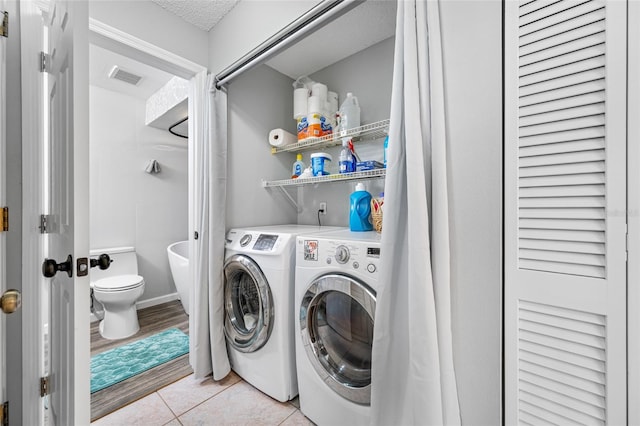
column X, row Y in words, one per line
column 157, row 301
column 148, row 303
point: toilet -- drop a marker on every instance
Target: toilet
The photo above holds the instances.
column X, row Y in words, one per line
column 118, row 288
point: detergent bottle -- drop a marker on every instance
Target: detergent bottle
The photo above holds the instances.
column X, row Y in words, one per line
column 298, row 166
column 385, row 148
column 360, row 209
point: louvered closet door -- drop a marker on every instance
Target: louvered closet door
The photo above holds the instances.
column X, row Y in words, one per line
column 565, row 220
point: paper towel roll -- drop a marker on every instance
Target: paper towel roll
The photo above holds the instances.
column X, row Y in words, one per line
column 314, row 105
column 320, row 90
column 300, row 97
column 280, row 137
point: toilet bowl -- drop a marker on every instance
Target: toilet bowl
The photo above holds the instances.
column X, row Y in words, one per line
column 118, row 296
column 118, row 288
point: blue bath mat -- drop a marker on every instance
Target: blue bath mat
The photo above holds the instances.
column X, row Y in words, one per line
column 118, row 364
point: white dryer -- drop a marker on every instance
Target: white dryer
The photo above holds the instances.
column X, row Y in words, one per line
column 259, row 275
column 335, row 298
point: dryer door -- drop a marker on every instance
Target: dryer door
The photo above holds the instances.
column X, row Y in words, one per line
column 248, row 304
column 336, row 321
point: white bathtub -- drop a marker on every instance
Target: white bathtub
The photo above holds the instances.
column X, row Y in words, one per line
column 179, row 263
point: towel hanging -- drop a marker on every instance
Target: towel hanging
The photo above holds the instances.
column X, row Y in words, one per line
column 152, row 167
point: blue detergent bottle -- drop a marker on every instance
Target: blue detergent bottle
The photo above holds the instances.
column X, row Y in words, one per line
column 360, row 210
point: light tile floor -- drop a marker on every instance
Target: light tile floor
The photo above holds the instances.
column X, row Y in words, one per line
column 187, row 402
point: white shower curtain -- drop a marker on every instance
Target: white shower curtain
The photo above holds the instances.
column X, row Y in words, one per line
column 208, row 121
column 413, row 380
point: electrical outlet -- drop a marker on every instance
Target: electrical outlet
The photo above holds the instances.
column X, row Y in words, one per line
column 323, row 207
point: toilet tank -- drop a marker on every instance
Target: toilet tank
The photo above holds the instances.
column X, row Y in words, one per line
column 124, row 262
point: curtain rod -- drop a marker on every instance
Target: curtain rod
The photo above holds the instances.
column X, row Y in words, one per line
column 314, row 19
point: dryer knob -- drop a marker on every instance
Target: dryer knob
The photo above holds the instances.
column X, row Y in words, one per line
column 342, row 254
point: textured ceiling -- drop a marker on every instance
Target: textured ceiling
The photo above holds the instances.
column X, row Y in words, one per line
column 204, row 14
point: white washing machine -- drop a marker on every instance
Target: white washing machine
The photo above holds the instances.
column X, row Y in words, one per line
column 335, row 298
column 259, row 274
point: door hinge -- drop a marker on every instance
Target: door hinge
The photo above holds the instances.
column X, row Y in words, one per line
column 4, row 219
column 626, row 244
column 45, row 62
column 45, row 223
column 44, row 386
column 4, row 27
column 4, row 413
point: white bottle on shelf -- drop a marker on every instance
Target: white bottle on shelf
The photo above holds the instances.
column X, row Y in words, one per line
column 349, row 113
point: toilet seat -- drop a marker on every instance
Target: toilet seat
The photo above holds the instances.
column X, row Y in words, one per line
column 118, row 283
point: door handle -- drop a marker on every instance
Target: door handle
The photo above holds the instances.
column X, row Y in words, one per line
column 50, row 267
column 103, row 261
column 10, row 301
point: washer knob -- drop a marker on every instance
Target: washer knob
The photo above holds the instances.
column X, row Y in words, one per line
column 246, row 239
column 371, row 268
column 342, row 254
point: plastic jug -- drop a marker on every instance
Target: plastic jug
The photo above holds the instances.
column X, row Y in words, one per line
column 349, row 113
column 360, row 209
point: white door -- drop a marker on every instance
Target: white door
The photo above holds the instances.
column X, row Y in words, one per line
column 565, row 220
column 3, row 238
column 68, row 195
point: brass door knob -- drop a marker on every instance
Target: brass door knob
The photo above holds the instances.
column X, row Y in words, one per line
column 10, row 301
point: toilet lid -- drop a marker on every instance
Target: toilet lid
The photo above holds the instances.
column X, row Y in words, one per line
column 119, row 283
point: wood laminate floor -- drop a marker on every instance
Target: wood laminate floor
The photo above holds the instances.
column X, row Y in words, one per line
column 152, row 320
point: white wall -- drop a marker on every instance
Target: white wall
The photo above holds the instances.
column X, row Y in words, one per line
column 129, row 207
column 472, row 49
column 258, row 101
column 367, row 75
column 150, row 22
column 247, row 25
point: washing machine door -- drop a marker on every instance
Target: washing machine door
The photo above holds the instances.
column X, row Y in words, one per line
column 336, row 321
column 248, row 304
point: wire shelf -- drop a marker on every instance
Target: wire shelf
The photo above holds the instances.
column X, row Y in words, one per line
column 371, row 131
column 341, row 177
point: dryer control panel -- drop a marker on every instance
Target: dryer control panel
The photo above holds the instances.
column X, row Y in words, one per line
column 341, row 255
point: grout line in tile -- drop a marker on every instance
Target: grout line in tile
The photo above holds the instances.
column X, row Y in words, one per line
column 211, row 397
column 285, row 419
column 167, row 405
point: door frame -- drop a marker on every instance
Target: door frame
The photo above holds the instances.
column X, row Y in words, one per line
column 31, row 40
column 120, row 42
column 633, row 212
column 3, row 201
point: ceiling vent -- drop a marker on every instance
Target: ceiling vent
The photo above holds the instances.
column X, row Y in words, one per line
column 118, row 73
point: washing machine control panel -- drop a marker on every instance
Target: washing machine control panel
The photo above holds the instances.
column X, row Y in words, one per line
column 255, row 242
column 265, row 242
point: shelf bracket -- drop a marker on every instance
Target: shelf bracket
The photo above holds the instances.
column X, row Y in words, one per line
column 288, row 196
column 293, row 202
